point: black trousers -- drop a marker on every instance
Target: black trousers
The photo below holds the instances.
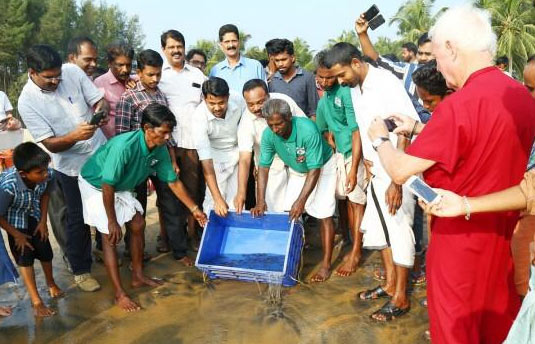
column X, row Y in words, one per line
column 174, row 214
column 77, row 234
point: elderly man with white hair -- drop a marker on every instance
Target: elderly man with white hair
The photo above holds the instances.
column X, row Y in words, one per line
column 477, row 142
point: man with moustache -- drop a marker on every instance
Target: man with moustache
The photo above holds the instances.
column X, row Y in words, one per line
column 215, row 131
column 115, row 81
column 128, row 118
column 181, row 84
column 292, row 80
column 57, row 104
column 82, row 51
column 252, row 125
column 236, row 69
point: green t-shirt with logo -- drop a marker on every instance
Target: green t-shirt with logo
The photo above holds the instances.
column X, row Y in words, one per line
column 304, row 150
column 125, row 161
column 335, row 113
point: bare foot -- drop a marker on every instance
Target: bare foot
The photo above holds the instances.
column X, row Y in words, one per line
column 348, row 266
column 186, row 261
column 55, row 291
column 321, row 275
column 126, row 303
column 142, row 281
column 42, row 311
column 5, row 311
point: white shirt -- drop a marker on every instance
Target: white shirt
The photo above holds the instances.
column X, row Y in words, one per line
column 48, row 114
column 252, row 127
column 382, row 95
column 5, row 105
column 217, row 138
column 183, row 93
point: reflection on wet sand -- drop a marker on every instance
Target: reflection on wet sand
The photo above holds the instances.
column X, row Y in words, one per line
column 190, row 309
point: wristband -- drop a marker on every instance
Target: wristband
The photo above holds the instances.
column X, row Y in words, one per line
column 192, row 210
column 467, row 208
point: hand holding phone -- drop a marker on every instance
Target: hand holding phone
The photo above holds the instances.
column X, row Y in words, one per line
column 390, row 124
column 97, row 117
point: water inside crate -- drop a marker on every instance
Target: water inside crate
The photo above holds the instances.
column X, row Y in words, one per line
column 255, row 261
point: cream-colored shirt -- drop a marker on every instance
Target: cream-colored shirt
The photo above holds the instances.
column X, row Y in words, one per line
column 217, row 138
column 183, row 93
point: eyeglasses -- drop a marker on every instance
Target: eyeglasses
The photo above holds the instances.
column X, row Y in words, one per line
column 50, row 78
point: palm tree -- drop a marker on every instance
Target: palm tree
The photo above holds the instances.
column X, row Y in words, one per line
column 414, row 18
column 303, row 54
column 513, row 21
column 348, row 36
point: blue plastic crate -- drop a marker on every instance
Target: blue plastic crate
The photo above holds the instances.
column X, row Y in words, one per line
column 265, row 249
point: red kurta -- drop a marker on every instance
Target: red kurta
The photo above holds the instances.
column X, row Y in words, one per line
column 480, row 138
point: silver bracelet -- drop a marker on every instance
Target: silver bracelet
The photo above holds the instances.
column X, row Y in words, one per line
column 467, row 208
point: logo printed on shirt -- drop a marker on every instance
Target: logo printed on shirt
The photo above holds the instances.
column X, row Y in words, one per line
column 338, row 101
column 153, row 162
column 300, row 151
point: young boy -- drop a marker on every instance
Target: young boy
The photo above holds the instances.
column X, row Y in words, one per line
column 23, row 215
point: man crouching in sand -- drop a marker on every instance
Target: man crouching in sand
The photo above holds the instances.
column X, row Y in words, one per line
column 107, row 182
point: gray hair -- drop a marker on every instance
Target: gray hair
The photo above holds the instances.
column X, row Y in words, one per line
column 276, row 106
column 466, row 26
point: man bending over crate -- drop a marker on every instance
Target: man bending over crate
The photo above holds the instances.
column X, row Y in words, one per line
column 311, row 169
column 107, row 182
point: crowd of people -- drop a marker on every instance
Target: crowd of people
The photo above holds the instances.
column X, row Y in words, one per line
column 259, row 137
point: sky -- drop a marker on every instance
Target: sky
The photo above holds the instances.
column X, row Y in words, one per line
column 315, row 21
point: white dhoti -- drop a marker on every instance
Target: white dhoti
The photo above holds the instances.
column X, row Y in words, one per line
column 276, row 185
column 398, row 233
column 321, row 203
column 226, row 174
column 126, row 206
column 343, row 166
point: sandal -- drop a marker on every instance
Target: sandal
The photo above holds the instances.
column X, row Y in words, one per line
column 372, row 294
column 389, row 311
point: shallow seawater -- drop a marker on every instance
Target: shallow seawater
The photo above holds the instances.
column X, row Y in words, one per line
column 188, row 308
column 256, row 261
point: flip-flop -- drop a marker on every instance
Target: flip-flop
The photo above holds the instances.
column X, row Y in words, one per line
column 379, row 275
column 373, row 294
column 389, row 311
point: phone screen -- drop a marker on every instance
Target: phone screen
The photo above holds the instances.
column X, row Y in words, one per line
column 423, row 190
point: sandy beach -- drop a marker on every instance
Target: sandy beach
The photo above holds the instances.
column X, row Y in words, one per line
column 188, row 309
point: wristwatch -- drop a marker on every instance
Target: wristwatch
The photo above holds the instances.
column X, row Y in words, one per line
column 379, row 141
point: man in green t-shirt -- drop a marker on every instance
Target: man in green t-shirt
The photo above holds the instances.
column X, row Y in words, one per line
column 107, row 182
column 335, row 116
column 311, row 169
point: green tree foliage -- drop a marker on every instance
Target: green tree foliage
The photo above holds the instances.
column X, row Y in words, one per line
column 513, row 21
column 414, row 18
column 303, row 54
column 385, row 45
column 54, row 22
column 256, row 53
column 347, row 36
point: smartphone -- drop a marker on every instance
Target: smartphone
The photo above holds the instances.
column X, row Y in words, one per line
column 97, row 117
column 390, row 124
column 371, row 12
column 418, row 187
column 376, row 22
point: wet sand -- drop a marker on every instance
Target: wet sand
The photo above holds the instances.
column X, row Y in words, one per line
column 186, row 309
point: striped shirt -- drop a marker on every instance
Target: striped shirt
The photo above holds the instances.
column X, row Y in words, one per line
column 17, row 201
